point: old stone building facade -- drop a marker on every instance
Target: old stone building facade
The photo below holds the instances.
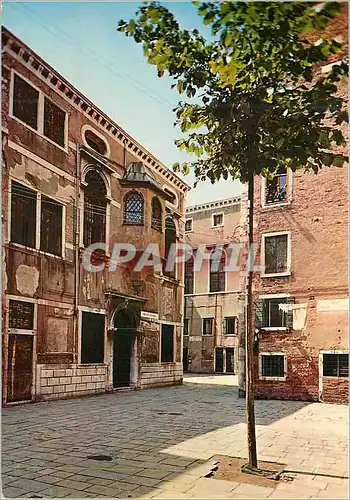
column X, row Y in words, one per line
column 214, row 292
column 71, row 178
column 301, row 295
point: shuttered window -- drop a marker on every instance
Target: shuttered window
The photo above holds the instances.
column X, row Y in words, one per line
column 269, row 315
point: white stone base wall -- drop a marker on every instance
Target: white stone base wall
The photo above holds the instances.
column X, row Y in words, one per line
column 158, row 375
column 62, row 381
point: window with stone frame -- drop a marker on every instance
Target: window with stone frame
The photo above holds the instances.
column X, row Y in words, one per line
column 37, row 111
column 157, row 214
column 54, row 122
column 95, row 209
column 335, row 365
column 189, row 276
column 133, row 208
column 276, row 254
column 25, row 102
column 217, row 273
column 23, row 215
column 218, row 220
column 230, row 325
column 51, row 226
column 208, row 326
column 272, row 365
column 276, row 188
column 269, row 315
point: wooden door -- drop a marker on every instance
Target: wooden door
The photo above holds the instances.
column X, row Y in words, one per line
column 20, row 368
column 230, row 360
column 219, row 360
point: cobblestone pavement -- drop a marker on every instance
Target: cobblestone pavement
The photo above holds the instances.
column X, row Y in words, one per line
column 161, row 440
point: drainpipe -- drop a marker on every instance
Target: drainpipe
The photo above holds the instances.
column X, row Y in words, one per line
column 76, row 255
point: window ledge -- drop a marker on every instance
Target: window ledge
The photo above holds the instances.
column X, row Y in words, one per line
column 276, row 205
column 274, row 328
column 276, row 379
column 276, row 275
column 36, row 250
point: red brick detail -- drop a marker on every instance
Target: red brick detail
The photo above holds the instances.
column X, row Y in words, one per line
column 335, row 390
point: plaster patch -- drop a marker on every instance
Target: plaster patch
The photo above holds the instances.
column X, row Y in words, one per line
column 27, row 279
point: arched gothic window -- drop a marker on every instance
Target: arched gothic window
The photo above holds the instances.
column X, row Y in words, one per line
column 95, row 205
column 217, row 276
column 133, row 208
column 157, row 218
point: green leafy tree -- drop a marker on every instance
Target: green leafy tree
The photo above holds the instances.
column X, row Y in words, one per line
column 255, row 103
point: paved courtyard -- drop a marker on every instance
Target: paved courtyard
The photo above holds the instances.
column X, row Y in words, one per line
column 162, row 441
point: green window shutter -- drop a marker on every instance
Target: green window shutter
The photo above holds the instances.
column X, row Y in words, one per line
column 289, row 314
column 259, row 316
column 224, row 326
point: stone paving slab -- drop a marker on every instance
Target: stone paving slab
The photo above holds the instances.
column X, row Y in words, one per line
column 156, row 455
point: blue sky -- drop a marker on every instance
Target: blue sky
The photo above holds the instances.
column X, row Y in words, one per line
column 80, row 40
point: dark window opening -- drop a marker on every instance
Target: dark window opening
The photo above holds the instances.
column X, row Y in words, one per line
column 208, row 324
column 189, row 225
column 189, row 276
column 186, row 324
column 272, row 365
column 335, row 365
column 217, row 272
column 218, row 220
column 276, row 249
column 133, row 208
column 51, row 226
column 54, row 122
column 157, row 218
column 92, row 337
column 170, row 239
column 276, row 188
column 167, row 344
column 230, row 325
column 269, row 314
column 23, row 215
column 21, row 315
column 95, row 142
column 25, row 102
column 95, row 205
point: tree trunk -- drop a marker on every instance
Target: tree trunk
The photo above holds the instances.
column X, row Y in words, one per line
column 252, row 456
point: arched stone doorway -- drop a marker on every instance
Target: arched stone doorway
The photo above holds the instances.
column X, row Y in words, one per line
column 124, row 357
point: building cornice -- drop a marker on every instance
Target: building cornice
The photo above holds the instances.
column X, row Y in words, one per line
column 213, row 205
column 28, row 58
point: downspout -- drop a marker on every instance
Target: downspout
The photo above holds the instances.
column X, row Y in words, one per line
column 76, row 251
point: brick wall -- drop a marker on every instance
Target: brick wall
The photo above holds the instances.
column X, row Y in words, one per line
column 63, row 381
column 159, row 375
column 335, row 390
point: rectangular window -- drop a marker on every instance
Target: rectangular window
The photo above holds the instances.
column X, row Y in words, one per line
column 34, row 109
column 218, row 220
column 208, row 324
column 188, row 225
column 276, row 189
column 274, row 313
column 276, row 254
column 23, row 215
column 54, row 120
column 272, row 365
column 186, row 322
column 21, row 315
column 25, row 102
column 230, row 325
column 92, row 337
column 51, row 226
column 335, row 365
column 189, row 276
column 167, row 344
